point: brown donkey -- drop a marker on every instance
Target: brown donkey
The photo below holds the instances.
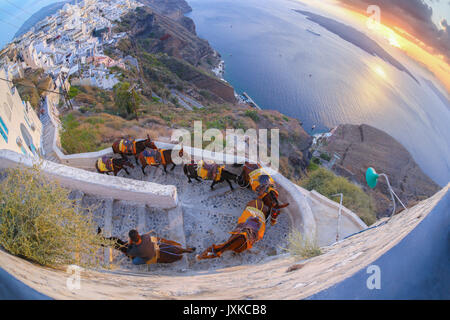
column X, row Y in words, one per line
column 219, row 175
column 126, row 147
column 162, row 250
column 158, row 157
column 250, row 229
column 254, row 177
column 104, row 165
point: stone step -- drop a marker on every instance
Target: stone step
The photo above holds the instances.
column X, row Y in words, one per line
column 176, row 229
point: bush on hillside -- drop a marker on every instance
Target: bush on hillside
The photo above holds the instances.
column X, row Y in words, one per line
column 39, row 222
column 76, row 138
column 253, row 114
column 73, row 92
column 327, row 183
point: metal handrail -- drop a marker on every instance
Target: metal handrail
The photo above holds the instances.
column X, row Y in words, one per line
column 339, row 214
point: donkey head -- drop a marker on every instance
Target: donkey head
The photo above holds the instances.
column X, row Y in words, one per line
column 148, row 143
column 207, row 254
column 123, row 163
column 275, row 207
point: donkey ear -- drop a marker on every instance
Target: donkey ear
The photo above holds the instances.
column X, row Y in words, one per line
column 148, row 137
column 281, row 206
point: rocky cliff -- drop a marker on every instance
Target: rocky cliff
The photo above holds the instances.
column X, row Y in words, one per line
column 186, row 55
column 363, row 146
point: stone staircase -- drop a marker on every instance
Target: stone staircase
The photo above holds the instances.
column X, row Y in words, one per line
column 48, row 134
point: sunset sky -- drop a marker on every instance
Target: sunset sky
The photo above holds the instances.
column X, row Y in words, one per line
column 419, row 28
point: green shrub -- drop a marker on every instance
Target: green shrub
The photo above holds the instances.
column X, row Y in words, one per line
column 73, row 92
column 299, row 246
column 327, row 183
column 39, row 222
column 253, row 114
column 76, row 139
column 325, row 157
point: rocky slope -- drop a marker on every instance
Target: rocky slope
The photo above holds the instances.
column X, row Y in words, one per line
column 363, row 146
column 168, row 7
column 180, row 50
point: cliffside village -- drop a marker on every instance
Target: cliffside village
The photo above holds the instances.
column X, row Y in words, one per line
column 66, row 44
column 70, row 42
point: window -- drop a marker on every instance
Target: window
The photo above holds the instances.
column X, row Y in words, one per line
column 27, row 138
column 3, row 130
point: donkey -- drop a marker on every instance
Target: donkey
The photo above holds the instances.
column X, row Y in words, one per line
column 164, row 158
column 254, row 177
column 250, row 229
column 106, row 164
column 126, row 147
column 118, row 244
column 191, row 171
column 167, row 251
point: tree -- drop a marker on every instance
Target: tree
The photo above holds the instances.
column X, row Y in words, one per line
column 127, row 100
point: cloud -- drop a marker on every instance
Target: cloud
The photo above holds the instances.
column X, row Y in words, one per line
column 413, row 16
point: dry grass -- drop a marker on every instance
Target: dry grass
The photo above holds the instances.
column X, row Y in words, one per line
column 327, row 183
column 302, row 247
column 40, row 223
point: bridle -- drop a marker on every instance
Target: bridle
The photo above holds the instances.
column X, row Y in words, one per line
column 275, row 214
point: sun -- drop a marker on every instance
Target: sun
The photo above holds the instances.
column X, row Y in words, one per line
column 380, row 71
column 393, row 41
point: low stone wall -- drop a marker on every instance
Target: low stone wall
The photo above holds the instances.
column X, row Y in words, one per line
column 151, row 194
column 346, row 213
column 326, row 215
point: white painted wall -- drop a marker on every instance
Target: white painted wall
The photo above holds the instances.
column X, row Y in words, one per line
column 149, row 193
column 14, row 113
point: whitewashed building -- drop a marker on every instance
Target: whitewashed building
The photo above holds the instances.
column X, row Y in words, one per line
column 20, row 127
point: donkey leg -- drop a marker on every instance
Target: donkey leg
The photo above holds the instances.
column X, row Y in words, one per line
column 174, row 243
column 234, row 243
column 173, row 167
column 213, row 184
column 169, row 253
column 143, row 171
column 126, row 171
column 165, row 168
column 229, row 182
